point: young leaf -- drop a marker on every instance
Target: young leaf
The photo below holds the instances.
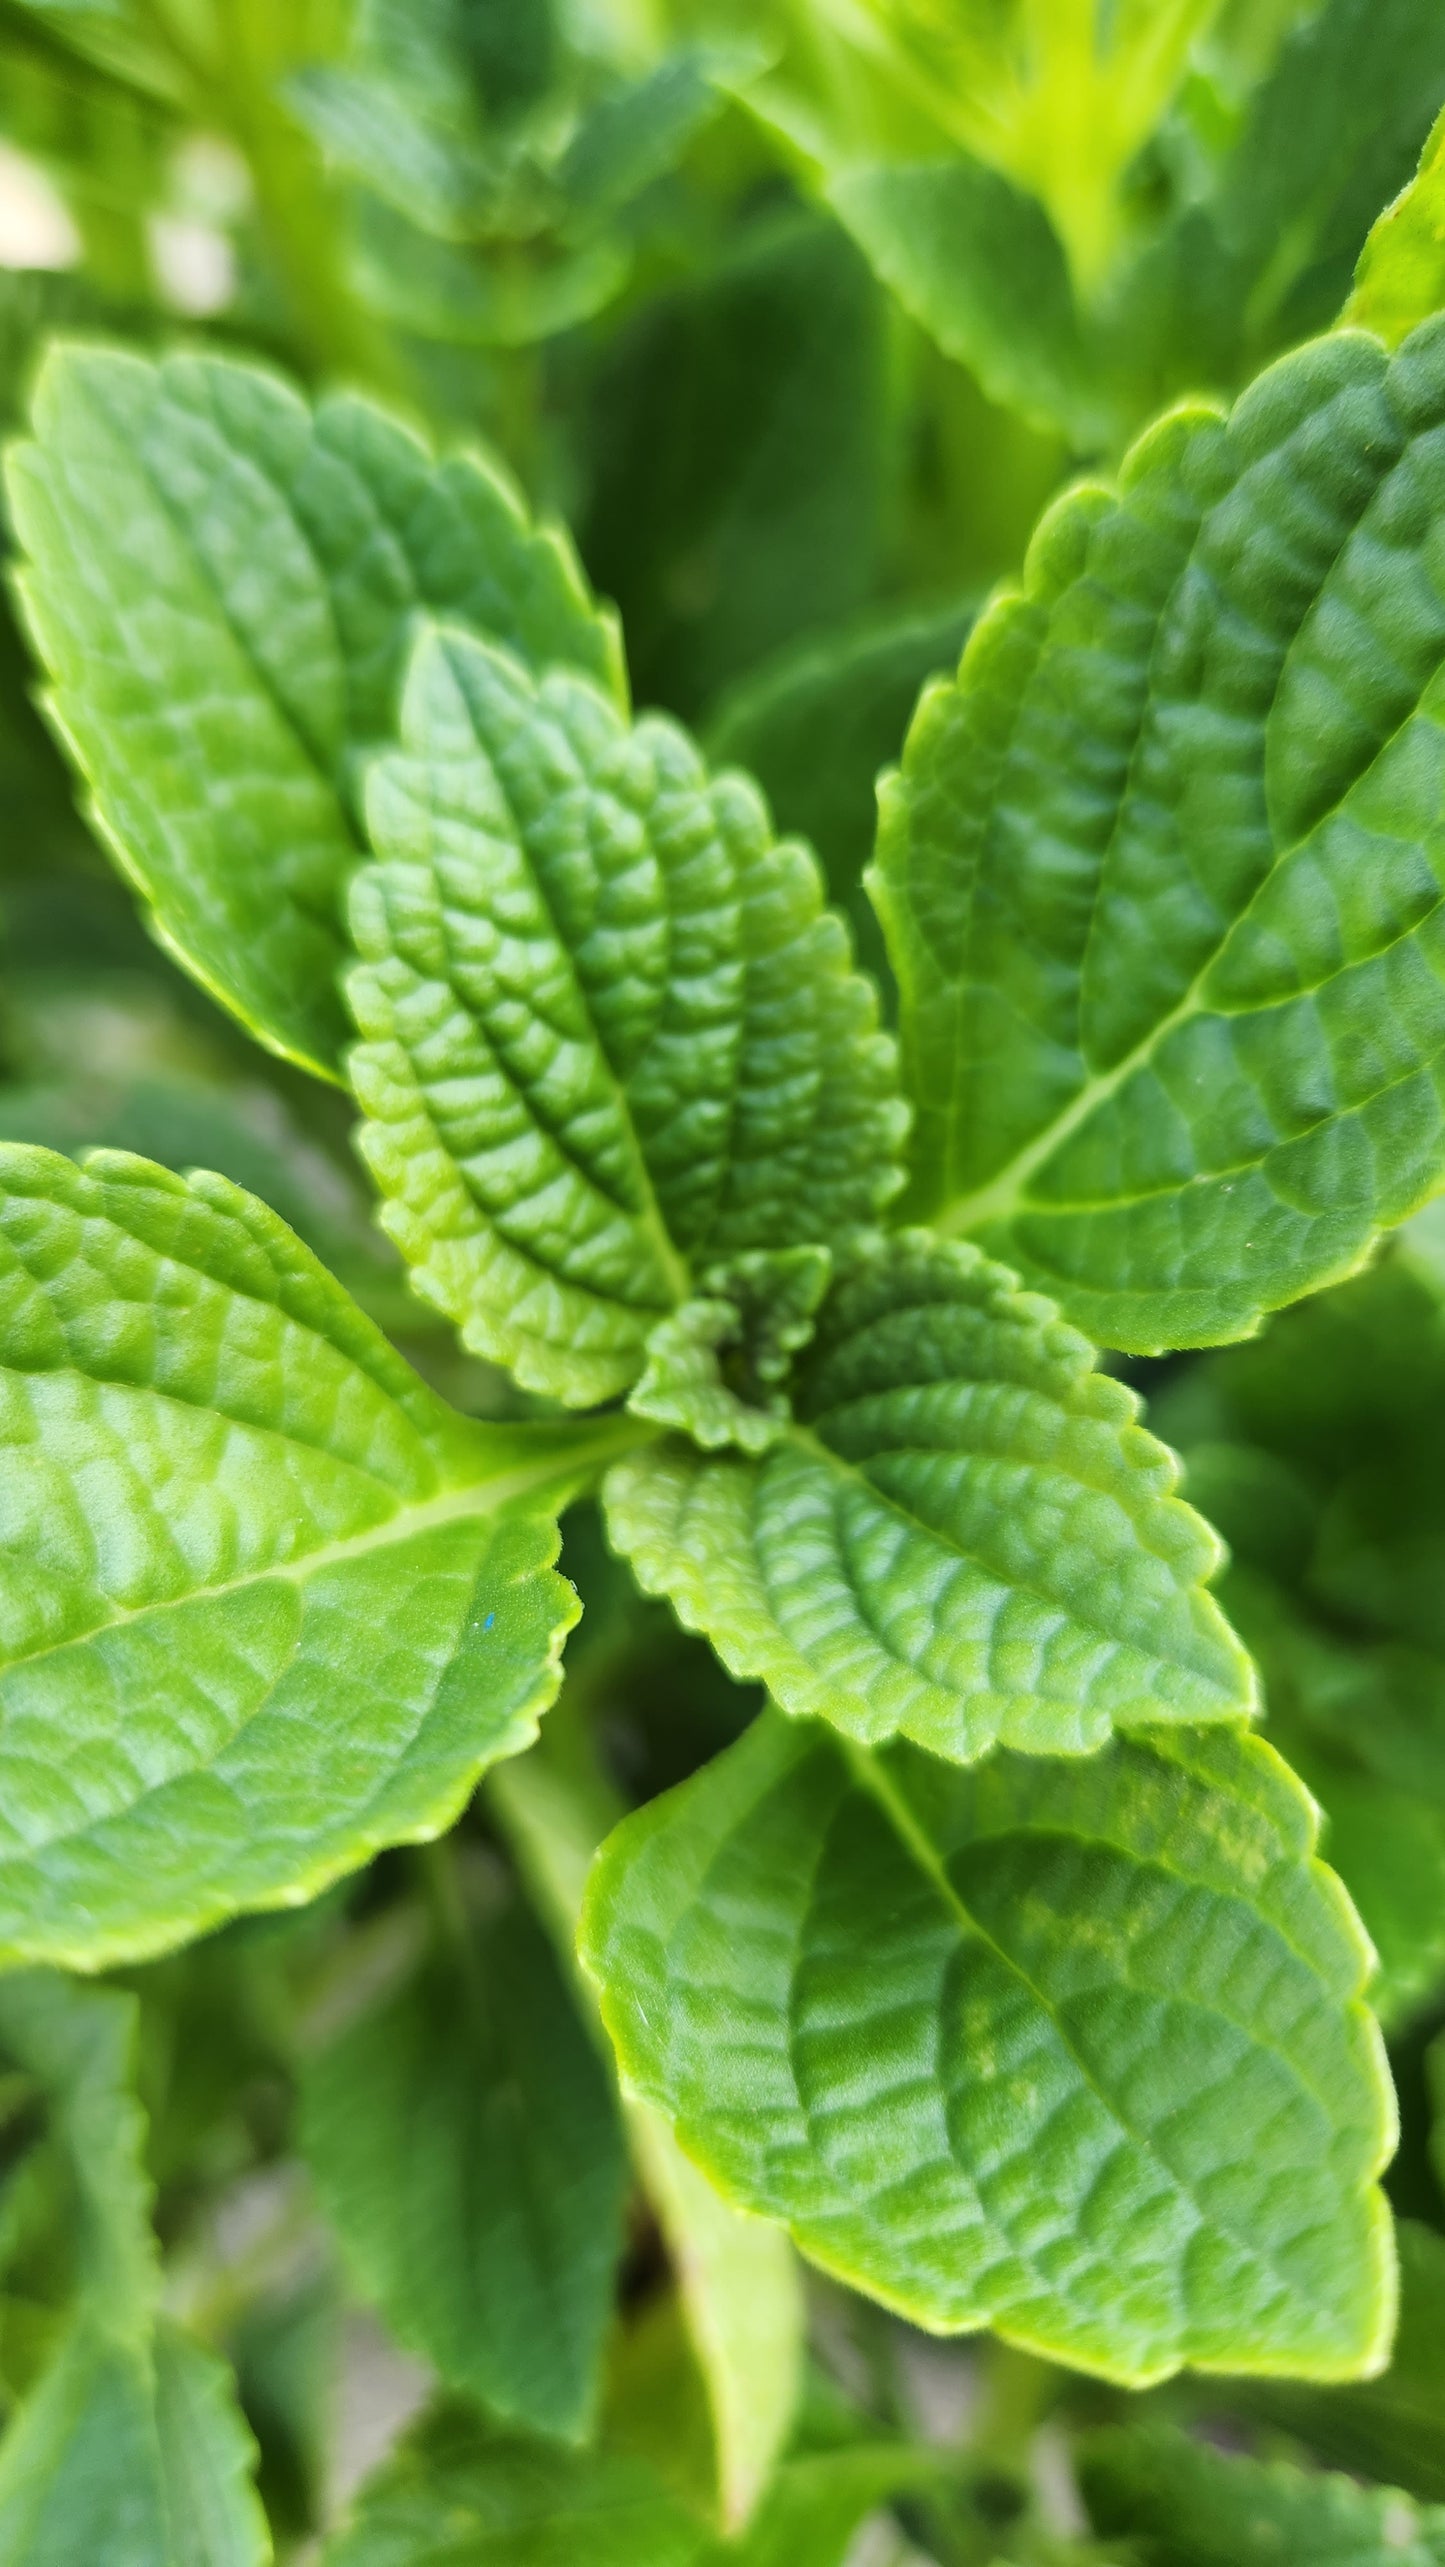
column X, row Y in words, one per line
column 611, row 1033
column 737, row 2277
column 1181, row 2504
column 267, row 1603
column 133, row 2456
column 1071, row 2049
column 221, row 583
column 1159, row 873
column 962, row 1536
column 465, row 2144
column 1400, row 280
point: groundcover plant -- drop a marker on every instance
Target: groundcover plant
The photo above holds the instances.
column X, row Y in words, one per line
column 914, row 2039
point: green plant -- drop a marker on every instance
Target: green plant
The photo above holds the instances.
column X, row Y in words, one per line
column 897, row 1868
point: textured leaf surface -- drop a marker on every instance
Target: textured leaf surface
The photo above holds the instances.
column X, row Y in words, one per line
column 610, row 1029
column 963, row 1536
column 466, row 2146
column 1188, row 2506
column 1400, row 280
column 737, row 2277
column 138, row 2459
column 221, row 582
column 1072, row 2049
column 1162, row 870
column 265, row 1606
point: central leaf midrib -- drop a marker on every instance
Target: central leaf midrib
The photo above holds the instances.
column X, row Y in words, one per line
column 804, row 1440
column 671, row 1264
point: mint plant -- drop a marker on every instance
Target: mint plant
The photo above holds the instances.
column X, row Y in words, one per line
column 661, row 1781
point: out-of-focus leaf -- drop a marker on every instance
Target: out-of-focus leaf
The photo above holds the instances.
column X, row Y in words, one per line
column 1400, row 280
column 817, row 725
column 466, row 2145
column 1180, row 2504
column 739, row 437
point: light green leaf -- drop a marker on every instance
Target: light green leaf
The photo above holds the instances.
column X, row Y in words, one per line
column 1071, row 2049
column 716, row 1368
column 977, row 261
column 1400, row 279
column 463, row 2137
column 737, row 2277
column 962, row 1536
column 1159, row 873
column 1185, row 2505
column 136, row 2459
column 267, row 1603
column 611, row 1032
column 221, row 583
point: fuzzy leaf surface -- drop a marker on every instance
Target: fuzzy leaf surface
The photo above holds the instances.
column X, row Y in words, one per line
column 963, row 1536
column 1073, row 2049
column 465, row 2144
column 267, row 1603
column 221, row 582
column 1162, row 872
column 1392, row 2428
column 610, row 1030
column 1182, row 2505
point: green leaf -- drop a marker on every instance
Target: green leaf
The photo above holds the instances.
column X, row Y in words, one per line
column 221, row 1488
column 816, row 723
column 78, row 2044
column 464, row 2141
column 1392, row 2428
column 737, row 2277
column 741, row 438
column 1071, row 2049
column 1400, row 279
column 1159, row 873
column 1313, row 1450
column 458, row 2495
column 221, row 583
column 1185, row 2505
column 977, row 261
column 611, row 1033
column 962, row 1536
column 140, row 2460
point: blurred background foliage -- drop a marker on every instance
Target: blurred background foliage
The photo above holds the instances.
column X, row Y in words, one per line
column 797, row 311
